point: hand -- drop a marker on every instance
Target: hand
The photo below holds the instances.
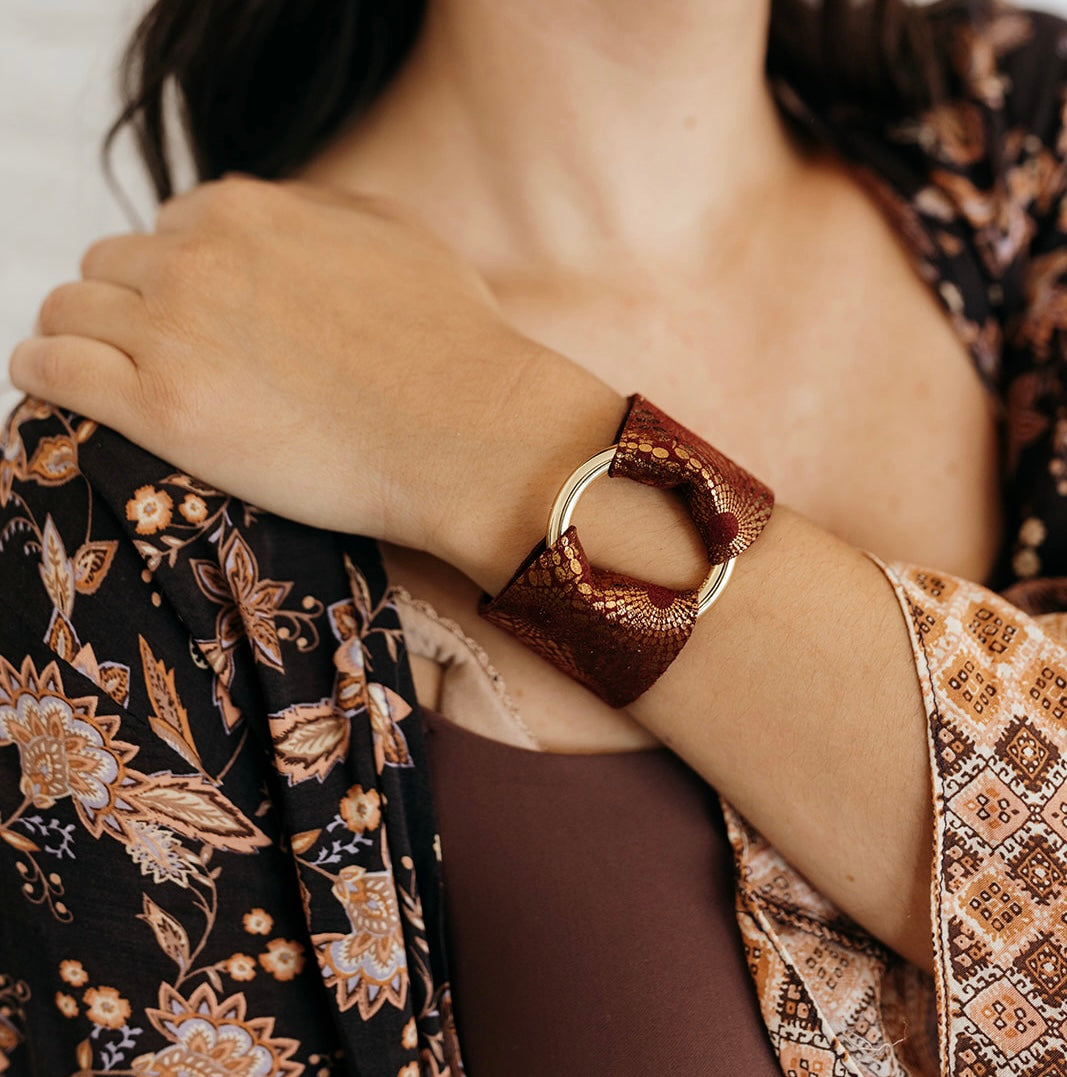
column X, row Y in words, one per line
column 316, row 354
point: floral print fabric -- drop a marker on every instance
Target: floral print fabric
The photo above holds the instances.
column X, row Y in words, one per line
column 217, row 848
column 218, row 855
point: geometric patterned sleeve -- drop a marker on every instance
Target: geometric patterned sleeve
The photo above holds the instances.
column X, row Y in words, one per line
column 995, row 687
column 977, row 190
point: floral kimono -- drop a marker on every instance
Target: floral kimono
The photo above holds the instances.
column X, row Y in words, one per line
column 217, row 844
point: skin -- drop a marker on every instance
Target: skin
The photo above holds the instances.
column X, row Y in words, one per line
column 496, row 235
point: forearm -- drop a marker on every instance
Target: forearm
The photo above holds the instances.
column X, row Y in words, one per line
column 796, row 697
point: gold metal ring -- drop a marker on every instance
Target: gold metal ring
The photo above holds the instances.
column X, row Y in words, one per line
column 559, row 519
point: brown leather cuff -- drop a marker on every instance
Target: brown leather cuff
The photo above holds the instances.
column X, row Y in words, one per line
column 612, row 633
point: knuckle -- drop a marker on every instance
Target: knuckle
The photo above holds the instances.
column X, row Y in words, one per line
column 93, row 257
column 236, row 198
column 55, row 309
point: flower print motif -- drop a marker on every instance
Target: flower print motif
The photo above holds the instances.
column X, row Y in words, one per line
column 240, row 966
column 65, row 749
column 250, row 605
column 9, row 1039
column 1032, row 531
column 361, row 809
column 150, row 509
column 71, row 972
column 978, row 50
column 954, row 132
column 350, row 689
column 1025, row 418
column 1026, row 563
column 1045, row 309
column 1036, row 179
column 193, row 509
column 409, row 1037
column 1002, row 227
column 257, row 922
column 284, row 959
column 215, row 1038
column 158, row 852
column 105, row 1007
column 66, row 1004
column 368, row 966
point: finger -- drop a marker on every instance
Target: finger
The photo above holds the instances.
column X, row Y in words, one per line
column 97, row 309
column 85, row 375
column 126, row 260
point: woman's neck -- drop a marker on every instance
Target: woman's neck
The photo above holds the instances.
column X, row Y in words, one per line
column 576, row 134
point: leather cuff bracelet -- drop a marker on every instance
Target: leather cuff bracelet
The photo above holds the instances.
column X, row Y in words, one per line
column 611, row 632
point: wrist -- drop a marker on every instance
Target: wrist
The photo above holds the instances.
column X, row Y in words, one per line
column 566, row 416
column 556, row 415
column 614, row 631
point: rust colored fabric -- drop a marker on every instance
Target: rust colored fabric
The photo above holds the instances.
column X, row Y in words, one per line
column 590, row 914
column 613, row 633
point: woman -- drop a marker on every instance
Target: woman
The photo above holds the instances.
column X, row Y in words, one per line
column 224, row 697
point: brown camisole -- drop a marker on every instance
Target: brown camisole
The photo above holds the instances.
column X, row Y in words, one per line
column 590, row 914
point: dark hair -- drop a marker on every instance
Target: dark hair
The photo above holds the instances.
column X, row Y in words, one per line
column 260, row 85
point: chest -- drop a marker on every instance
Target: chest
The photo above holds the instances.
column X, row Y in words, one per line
column 833, row 375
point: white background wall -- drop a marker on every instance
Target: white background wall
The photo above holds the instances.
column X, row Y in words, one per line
column 57, row 61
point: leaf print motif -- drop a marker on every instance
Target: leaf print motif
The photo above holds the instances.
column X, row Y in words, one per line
column 54, row 462
column 114, row 679
column 192, row 484
column 364, row 608
column 300, row 843
column 193, row 807
column 350, row 685
column 86, row 429
column 169, row 719
column 84, row 1055
column 61, row 637
column 57, row 575
column 19, row 841
column 170, row 935
column 91, row 564
column 110, row 677
column 309, row 738
column 386, row 709
column 12, row 457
